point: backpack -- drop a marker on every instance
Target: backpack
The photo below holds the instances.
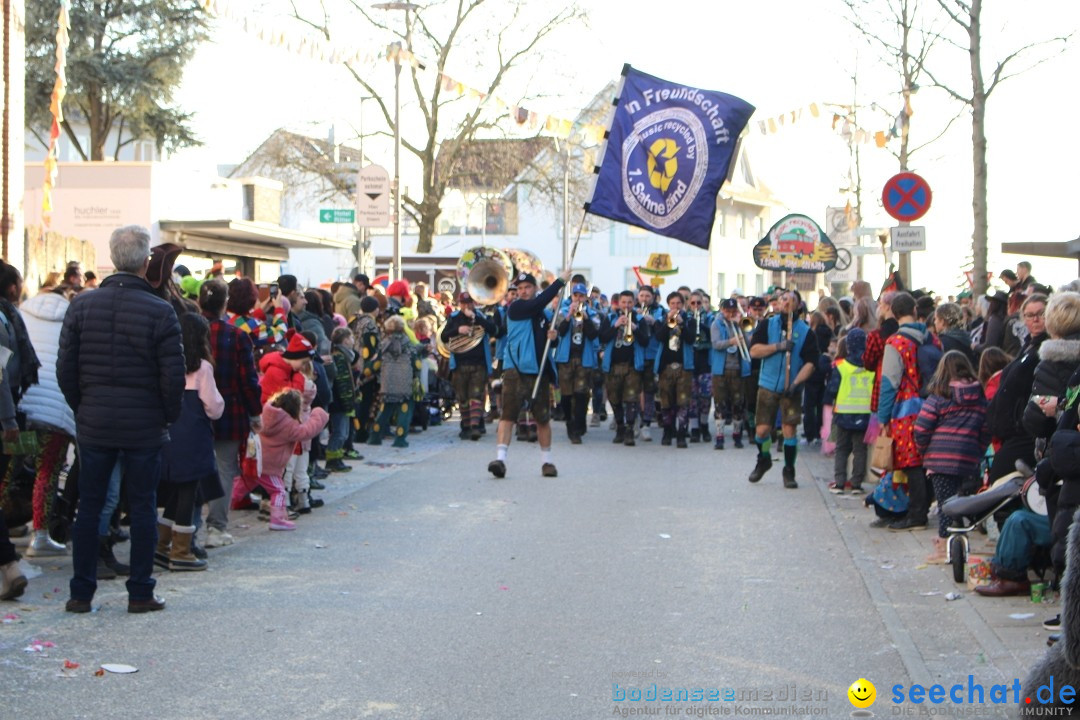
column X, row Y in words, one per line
column 927, row 357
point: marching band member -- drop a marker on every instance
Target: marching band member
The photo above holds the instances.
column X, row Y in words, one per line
column 578, row 327
column 527, row 329
column 470, row 366
column 729, row 373
column 499, row 318
column 652, row 312
column 700, row 319
column 788, row 353
column 674, row 366
column 624, row 360
column 755, row 310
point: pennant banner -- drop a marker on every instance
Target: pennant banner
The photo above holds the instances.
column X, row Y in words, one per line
column 669, row 150
column 56, row 107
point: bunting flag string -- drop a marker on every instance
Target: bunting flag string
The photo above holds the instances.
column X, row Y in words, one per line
column 841, row 124
column 56, row 107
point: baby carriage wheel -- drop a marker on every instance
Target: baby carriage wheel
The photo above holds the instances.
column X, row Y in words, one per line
column 958, row 555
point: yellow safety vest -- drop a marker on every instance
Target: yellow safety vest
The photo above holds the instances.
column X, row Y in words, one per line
column 856, row 387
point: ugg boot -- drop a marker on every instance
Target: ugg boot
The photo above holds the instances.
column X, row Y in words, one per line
column 164, row 541
column 44, row 546
column 279, row 520
column 12, row 581
column 180, row 556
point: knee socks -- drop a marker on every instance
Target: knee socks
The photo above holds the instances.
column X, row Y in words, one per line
column 791, row 451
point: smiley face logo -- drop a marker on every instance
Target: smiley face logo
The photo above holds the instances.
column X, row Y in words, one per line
column 862, row 693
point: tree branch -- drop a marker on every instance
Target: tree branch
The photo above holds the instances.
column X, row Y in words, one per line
column 999, row 77
column 941, row 134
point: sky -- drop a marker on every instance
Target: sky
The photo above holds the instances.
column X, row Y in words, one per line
column 779, row 55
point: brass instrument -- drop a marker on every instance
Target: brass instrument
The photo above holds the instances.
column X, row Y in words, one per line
column 736, row 333
column 747, row 324
column 628, row 337
column 579, row 316
column 786, row 335
column 675, row 339
column 484, row 272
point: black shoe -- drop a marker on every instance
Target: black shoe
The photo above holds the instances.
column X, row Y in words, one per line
column 77, row 606
column 575, row 439
column 522, row 434
column 314, row 502
column 463, row 433
column 533, row 434
column 144, row 606
column 198, row 550
column 336, row 466
column 789, row 478
column 738, row 443
column 497, row 468
column 696, row 435
column 119, row 535
column 667, row 437
column 620, row 434
column 764, row 462
column 629, row 441
column 113, row 566
column 880, row 522
column 1053, row 624
column 680, row 441
column 908, row 523
column 475, row 434
column 316, row 474
column 314, row 484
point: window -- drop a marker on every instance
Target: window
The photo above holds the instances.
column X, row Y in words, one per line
column 721, row 289
column 759, row 284
column 502, row 217
column 742, row 226
column 760, row 227
column 740, row 282
column 723, row 224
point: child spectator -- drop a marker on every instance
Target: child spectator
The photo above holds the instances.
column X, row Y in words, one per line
column 296, row 477
column 281, row 431
column 343, row 406
column 951, row 433
column 849, row 391
column 187, row 460
column 281, row 370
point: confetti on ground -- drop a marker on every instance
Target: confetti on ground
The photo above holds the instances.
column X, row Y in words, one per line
column 10, row 618
column 68, row 665
column 1022, row 616
column 887, row 567
column 952, row 596
column 931, row 593
column 319, row 546
column 99, row 672
column 454, row 505
column 665, row 536
column 503, row 587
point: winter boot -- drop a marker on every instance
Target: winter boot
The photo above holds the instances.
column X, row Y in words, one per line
column 164, row 541
column 44, row 546
column 12, row 581
column 620, row 434
column 680, row 440
column 669, row 433
column 105, row 555
column 738, row 441
column 279, row 520
column 180, row 555
column 696, row 434
column 764, row 462
column 337, row 466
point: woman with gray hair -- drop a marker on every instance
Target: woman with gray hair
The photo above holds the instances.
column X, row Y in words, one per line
column 1059, row 357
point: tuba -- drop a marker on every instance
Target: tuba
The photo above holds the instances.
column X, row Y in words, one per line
column 484, row 273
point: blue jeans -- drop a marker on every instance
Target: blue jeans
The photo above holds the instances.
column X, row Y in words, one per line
column 112, row 498
column 1023, row 532
column 339, row 430
column 141, row 467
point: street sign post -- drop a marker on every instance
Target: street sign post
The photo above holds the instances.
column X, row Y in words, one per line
column 373, row 197
column 906, row 197
column 335, row 215
column 907, row 239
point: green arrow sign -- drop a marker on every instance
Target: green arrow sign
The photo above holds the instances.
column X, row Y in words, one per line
column 331, row 215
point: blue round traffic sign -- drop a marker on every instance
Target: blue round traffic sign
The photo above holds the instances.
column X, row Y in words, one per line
column 906, row 197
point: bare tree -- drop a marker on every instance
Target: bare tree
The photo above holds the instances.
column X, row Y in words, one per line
column 443, row 30
column 902, row 35
column 966, row 16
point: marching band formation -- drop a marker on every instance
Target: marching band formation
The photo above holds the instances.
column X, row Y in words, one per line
column 543, row 356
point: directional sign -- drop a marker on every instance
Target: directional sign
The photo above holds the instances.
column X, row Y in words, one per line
column 907, row 239
column 332, row 215
column 906, row 197
column 373, row 197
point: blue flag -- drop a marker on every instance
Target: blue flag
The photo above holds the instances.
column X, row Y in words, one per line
column 669, row 150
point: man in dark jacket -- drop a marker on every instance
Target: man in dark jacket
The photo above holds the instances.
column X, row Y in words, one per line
column 121, row 369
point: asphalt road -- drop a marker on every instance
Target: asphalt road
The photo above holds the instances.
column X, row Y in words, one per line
column 427, row 589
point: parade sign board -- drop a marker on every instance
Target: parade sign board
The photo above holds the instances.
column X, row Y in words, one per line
column 796, row 244
column 669, row 149
column 906, row 197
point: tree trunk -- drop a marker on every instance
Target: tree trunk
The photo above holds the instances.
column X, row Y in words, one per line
column 429, row 216
column 978, row 149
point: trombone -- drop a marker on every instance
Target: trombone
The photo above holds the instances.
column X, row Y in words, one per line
column 736, row 331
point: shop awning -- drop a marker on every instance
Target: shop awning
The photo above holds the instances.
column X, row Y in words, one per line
column 244, row 238
column 1067, row 249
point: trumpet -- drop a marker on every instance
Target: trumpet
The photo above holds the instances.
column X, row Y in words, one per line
column 579, row 316
column 628, row 337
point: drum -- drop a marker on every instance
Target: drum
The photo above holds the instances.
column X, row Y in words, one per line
column 1033, row 499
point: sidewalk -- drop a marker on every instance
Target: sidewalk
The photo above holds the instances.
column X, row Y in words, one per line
column 996, row 639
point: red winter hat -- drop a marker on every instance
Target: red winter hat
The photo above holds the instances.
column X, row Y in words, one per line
column 399, row 288
column 299, row 348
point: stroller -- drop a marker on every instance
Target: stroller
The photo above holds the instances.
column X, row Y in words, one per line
column 977, row 509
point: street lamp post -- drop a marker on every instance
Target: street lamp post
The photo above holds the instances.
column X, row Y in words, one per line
column 395, row 268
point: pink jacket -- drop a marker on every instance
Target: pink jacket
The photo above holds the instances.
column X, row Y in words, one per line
column 280, row 434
